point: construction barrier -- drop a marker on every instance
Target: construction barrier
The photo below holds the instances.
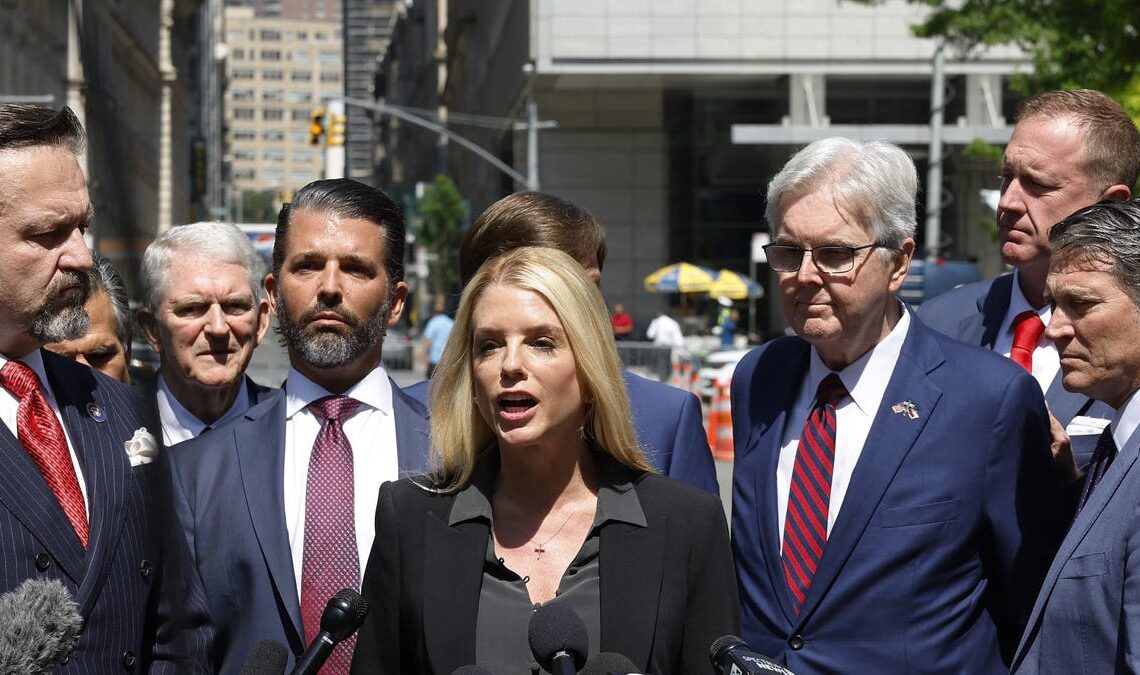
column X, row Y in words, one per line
column 720, row 422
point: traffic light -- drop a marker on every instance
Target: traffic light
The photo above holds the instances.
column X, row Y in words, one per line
column 316, row 125
column 336, row 129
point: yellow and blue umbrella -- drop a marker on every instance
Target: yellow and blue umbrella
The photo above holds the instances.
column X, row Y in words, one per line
column 680, row 277
column 729, row 284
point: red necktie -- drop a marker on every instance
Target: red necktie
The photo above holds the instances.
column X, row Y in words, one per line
column 1027, row 330
column 40, row 433
column 331, row 560
column 805, row 524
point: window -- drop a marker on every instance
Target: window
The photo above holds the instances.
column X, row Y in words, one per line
column 271, row 35
column 300, row 96
column 273, row 114
column 274, row 95
column 244, row 174
column 301, row 177
column 299, row 136
column 272, row 75
column 330, row 57
column 321, row 36
column 273, row 155
column 241, row 94
column 244, row 134
column 243, row 113
column 245, row 155
column 237, row 54
column 300, row 114
column 270, row 54
column 242, row 74
column 273, row 135
column 330, row 77
column 301, row 76
column 302, row 35
column 300, row 56
column 301, row 156
column 273, row 176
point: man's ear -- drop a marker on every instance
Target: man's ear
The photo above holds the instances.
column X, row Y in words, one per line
column 396, row 308
column 262, row 320
column 1119, row 191
column 270, row 284
column 148, row 325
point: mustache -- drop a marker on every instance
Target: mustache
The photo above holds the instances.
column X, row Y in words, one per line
column 345, row 315
column 66, row 280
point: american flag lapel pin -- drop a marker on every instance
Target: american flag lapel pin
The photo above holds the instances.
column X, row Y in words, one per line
column 907, row 408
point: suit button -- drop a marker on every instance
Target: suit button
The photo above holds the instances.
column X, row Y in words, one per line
column 796, row 642
column 128, row 660
column 144, row 568
column 43, row 562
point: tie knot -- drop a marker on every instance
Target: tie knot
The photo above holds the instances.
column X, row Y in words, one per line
column 830, row 390
column 1027, row 330
column 334, row 407
column 19, row 379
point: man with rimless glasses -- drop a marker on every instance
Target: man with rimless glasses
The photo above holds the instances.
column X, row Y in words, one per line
column 893, row 488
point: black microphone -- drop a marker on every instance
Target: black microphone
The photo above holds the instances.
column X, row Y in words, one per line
column 608, row 663
column 343, row 614
column 268, row 657
column 558, row 639
column 471, row 670
column 731, row 655
column 39, row 627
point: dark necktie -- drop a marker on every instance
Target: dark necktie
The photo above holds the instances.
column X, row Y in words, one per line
column 1027, row 330
column 41, row 434
column 1102, row 459
column 809, row 496
column 331, row 560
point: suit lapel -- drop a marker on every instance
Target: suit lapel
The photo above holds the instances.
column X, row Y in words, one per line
column 1081, row 525
column 1064, row 404
column 106, row 472
column 262, row 479
column 891, row 438
column 412, row 429
column 982, row 328
column 451, row 609
column 630, row 566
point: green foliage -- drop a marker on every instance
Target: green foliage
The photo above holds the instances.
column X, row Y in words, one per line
column 443, row 213
column 1073, row 43
column 259, row 207
column 979, row 150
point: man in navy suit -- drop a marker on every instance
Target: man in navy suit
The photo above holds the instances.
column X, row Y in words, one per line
column 74, row 488
column 279, row 504
column 668, row 420
column 1087, row 615
column 1068, row 150
column 893, row 488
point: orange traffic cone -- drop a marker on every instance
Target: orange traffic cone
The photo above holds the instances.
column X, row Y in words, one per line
column 721, row 441
column 677, row 379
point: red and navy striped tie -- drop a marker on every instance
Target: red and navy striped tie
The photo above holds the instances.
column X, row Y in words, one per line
column 805, row 524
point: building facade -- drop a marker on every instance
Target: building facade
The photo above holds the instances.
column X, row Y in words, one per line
column 279, row 71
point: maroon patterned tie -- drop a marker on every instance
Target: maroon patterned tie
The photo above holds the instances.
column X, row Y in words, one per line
column 41, row 434
column 331, row 559
column 809, row 497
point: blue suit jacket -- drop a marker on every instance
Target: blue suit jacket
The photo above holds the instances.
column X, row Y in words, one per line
column 1087, row 615
column 669, row 425
column 944, row 534
column 228, row 493
column 973, row 314
column 116, row 580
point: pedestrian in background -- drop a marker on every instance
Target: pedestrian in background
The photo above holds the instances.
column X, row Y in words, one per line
column 436, row 332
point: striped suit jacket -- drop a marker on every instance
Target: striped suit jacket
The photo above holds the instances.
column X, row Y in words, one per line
column 130, row 625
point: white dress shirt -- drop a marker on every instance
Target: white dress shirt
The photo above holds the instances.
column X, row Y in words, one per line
column 1046, row 361
column 866, row 381
column 9, row 404
column 1126, row 421
column 372, row 433
column 179, row 424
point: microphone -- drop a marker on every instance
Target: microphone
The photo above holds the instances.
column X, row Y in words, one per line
column 343, row 614
column 730, row 655
column 471, row 670
column 39, row 627
column 268, row 657
column 608, row 663
column 558, row 639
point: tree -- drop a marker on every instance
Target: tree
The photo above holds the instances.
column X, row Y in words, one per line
column 1072, row 43
column 443, row 213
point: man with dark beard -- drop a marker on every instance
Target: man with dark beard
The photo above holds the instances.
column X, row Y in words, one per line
column 73, row 487
column 279, row 504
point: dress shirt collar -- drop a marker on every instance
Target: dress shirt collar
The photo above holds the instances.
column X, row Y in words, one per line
column 1126, row 420
column 867, row 377
column 617, row 499
column 35, row 361
column 374, row 391
column 174, row 416
column 1018, row 304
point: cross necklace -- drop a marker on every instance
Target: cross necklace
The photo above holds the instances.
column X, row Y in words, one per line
column 540, row 548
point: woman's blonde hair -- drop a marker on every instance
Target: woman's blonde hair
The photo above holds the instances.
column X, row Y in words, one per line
column 460, row 436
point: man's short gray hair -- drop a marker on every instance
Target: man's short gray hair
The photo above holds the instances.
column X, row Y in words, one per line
column 873, row 182
column 106, row 278
column 217, row 241
column 1107, row 232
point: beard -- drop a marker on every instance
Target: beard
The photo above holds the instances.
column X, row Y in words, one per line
column 329, row 349
column 62, row 316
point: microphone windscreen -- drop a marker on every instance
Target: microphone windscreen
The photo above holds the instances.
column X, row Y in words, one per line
column 720, row 647
column 556, row 628
column 344, row 613
column 471, row 670
column 603, row 663
column 268, row 657
column 39, row 627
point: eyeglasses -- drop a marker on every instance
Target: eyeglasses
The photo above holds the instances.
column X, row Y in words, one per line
column 827, row 259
